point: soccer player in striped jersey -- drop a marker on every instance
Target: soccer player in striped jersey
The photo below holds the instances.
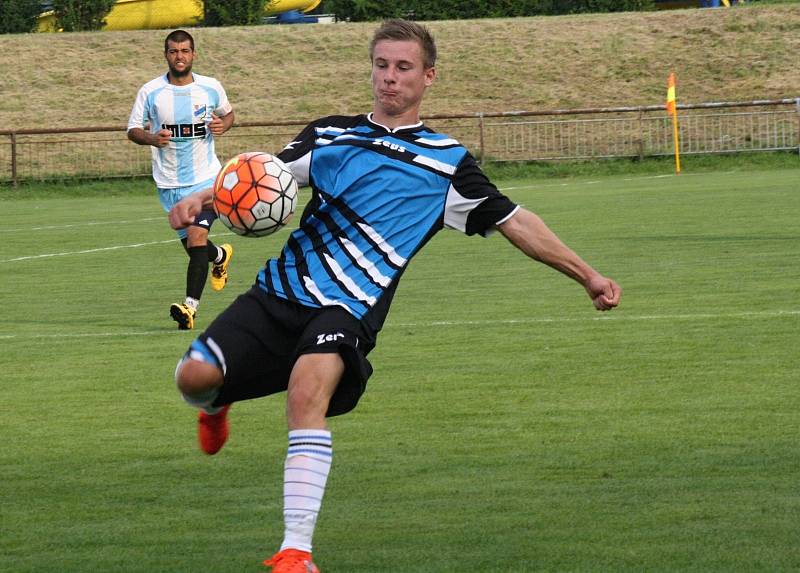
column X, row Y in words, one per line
column 382, row 185
column 178, row 114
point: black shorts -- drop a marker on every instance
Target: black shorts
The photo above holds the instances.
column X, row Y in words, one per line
column 261, row 336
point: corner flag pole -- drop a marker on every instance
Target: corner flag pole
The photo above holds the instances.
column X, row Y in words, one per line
column 672, row 109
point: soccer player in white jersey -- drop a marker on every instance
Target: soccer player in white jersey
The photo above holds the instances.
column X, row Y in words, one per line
column 178, row 114
column 382, row 185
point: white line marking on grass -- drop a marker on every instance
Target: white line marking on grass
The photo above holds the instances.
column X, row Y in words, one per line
column 649, row 177
column 610, row 180
column 99, row 249
column 87, row 251
column 605, row 317
column 440, row 323
column 504, row 189
column 88, row 334
column 84, row 224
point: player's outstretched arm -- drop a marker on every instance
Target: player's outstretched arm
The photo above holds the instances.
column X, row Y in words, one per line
column 528, row 233
column 184, row 211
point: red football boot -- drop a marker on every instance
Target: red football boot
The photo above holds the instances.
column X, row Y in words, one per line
column 291, row 561
column 212, row 430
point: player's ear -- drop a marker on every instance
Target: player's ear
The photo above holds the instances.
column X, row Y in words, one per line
column 430, row 75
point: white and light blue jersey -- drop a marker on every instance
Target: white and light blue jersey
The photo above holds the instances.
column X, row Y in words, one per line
column 378, row 195
column 189, row 157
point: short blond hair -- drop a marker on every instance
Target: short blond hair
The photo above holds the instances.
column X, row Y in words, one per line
column 403, row 30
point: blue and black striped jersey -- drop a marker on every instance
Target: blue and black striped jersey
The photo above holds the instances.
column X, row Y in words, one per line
column 378, row 195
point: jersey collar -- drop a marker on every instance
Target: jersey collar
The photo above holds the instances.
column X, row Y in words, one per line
column 166, row 79
column 396, row 129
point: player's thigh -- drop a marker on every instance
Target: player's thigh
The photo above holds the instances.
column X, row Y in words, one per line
column 334, row 331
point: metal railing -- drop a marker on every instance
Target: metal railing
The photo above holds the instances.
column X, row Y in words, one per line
column 571, row 134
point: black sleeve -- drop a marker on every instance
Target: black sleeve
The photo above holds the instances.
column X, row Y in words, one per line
column 297, row 154
column 474, row 204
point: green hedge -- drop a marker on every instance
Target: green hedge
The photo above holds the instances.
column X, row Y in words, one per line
column 233, row 12
column 18, row 16
column 81, row 15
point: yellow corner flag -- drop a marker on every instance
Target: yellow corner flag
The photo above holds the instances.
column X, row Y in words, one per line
column 672, row 109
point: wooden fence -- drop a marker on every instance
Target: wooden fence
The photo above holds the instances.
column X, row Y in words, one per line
column 547, row 135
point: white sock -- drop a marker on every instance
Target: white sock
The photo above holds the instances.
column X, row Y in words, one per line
column 220, row 254
column 193, row 302
column 308, row 461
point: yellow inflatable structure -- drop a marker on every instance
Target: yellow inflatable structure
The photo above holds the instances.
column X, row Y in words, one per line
column 156, row 14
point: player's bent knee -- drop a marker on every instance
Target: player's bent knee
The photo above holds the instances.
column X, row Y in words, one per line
column 311, row 385
column 304, row 398
column 197, row 236
column 197, row 377
column 306, row 409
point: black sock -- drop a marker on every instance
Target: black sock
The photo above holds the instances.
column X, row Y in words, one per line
column 213, row 253
column 197, row 272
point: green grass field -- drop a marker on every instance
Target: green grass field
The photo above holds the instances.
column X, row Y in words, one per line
column 508, row 425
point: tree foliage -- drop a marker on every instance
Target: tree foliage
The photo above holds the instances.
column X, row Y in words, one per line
column 81, row 15
column 18, row 16
column 364, row 10
column 232, row 12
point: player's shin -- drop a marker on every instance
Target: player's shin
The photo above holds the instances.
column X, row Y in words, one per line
column 197, row 272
